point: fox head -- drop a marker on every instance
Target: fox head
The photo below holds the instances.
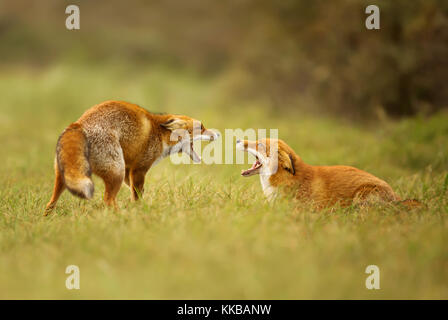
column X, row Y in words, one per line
column 179, row 132
column 272, row 157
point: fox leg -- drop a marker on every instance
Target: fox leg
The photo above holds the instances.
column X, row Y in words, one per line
column 137, row 181
column 113, row 177
column 126, row 177
column 106, row 158
column 59, row 187
column 113, row 183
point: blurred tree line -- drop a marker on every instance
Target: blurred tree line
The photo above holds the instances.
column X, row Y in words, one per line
column 289, row 52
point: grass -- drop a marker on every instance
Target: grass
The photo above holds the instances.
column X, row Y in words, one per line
column 202, row 231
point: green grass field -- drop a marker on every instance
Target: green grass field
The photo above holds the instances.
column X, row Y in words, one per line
column 203, row 231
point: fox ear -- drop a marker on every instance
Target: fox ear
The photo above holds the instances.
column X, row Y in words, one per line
column 174, row 123
column 286, row 161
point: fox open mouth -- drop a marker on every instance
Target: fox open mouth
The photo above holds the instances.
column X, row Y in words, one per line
column 193, row 155
column 252, row 170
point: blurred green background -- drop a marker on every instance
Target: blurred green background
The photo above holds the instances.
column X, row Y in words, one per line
column 311, row 55
column 337, row 92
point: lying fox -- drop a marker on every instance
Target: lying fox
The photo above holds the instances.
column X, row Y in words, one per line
column 119, row 141
column 280, row 167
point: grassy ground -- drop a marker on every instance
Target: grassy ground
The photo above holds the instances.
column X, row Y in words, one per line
column 202, row 231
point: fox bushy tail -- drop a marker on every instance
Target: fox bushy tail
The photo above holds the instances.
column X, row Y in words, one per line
column 412, row 203
column 72, row 154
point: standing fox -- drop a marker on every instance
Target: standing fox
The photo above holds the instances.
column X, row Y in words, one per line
column 119, row 141
column 281, row 168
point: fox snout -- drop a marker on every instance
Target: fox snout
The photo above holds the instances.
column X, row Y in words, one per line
column 248, row 146
column 207, row 135
column 212, row 134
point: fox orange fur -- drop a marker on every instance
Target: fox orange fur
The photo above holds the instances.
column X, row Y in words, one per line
column 280, row 167
column 119, row 141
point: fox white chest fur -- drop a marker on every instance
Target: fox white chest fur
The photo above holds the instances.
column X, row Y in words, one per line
column 268, row 190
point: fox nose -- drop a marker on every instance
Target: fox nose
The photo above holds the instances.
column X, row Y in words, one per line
column 215, row 136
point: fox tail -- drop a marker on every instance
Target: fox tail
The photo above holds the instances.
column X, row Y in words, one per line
column 411, row 204
column 72, row 156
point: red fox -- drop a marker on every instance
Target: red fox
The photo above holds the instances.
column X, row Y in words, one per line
column 119, row 141
column 280, row 167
